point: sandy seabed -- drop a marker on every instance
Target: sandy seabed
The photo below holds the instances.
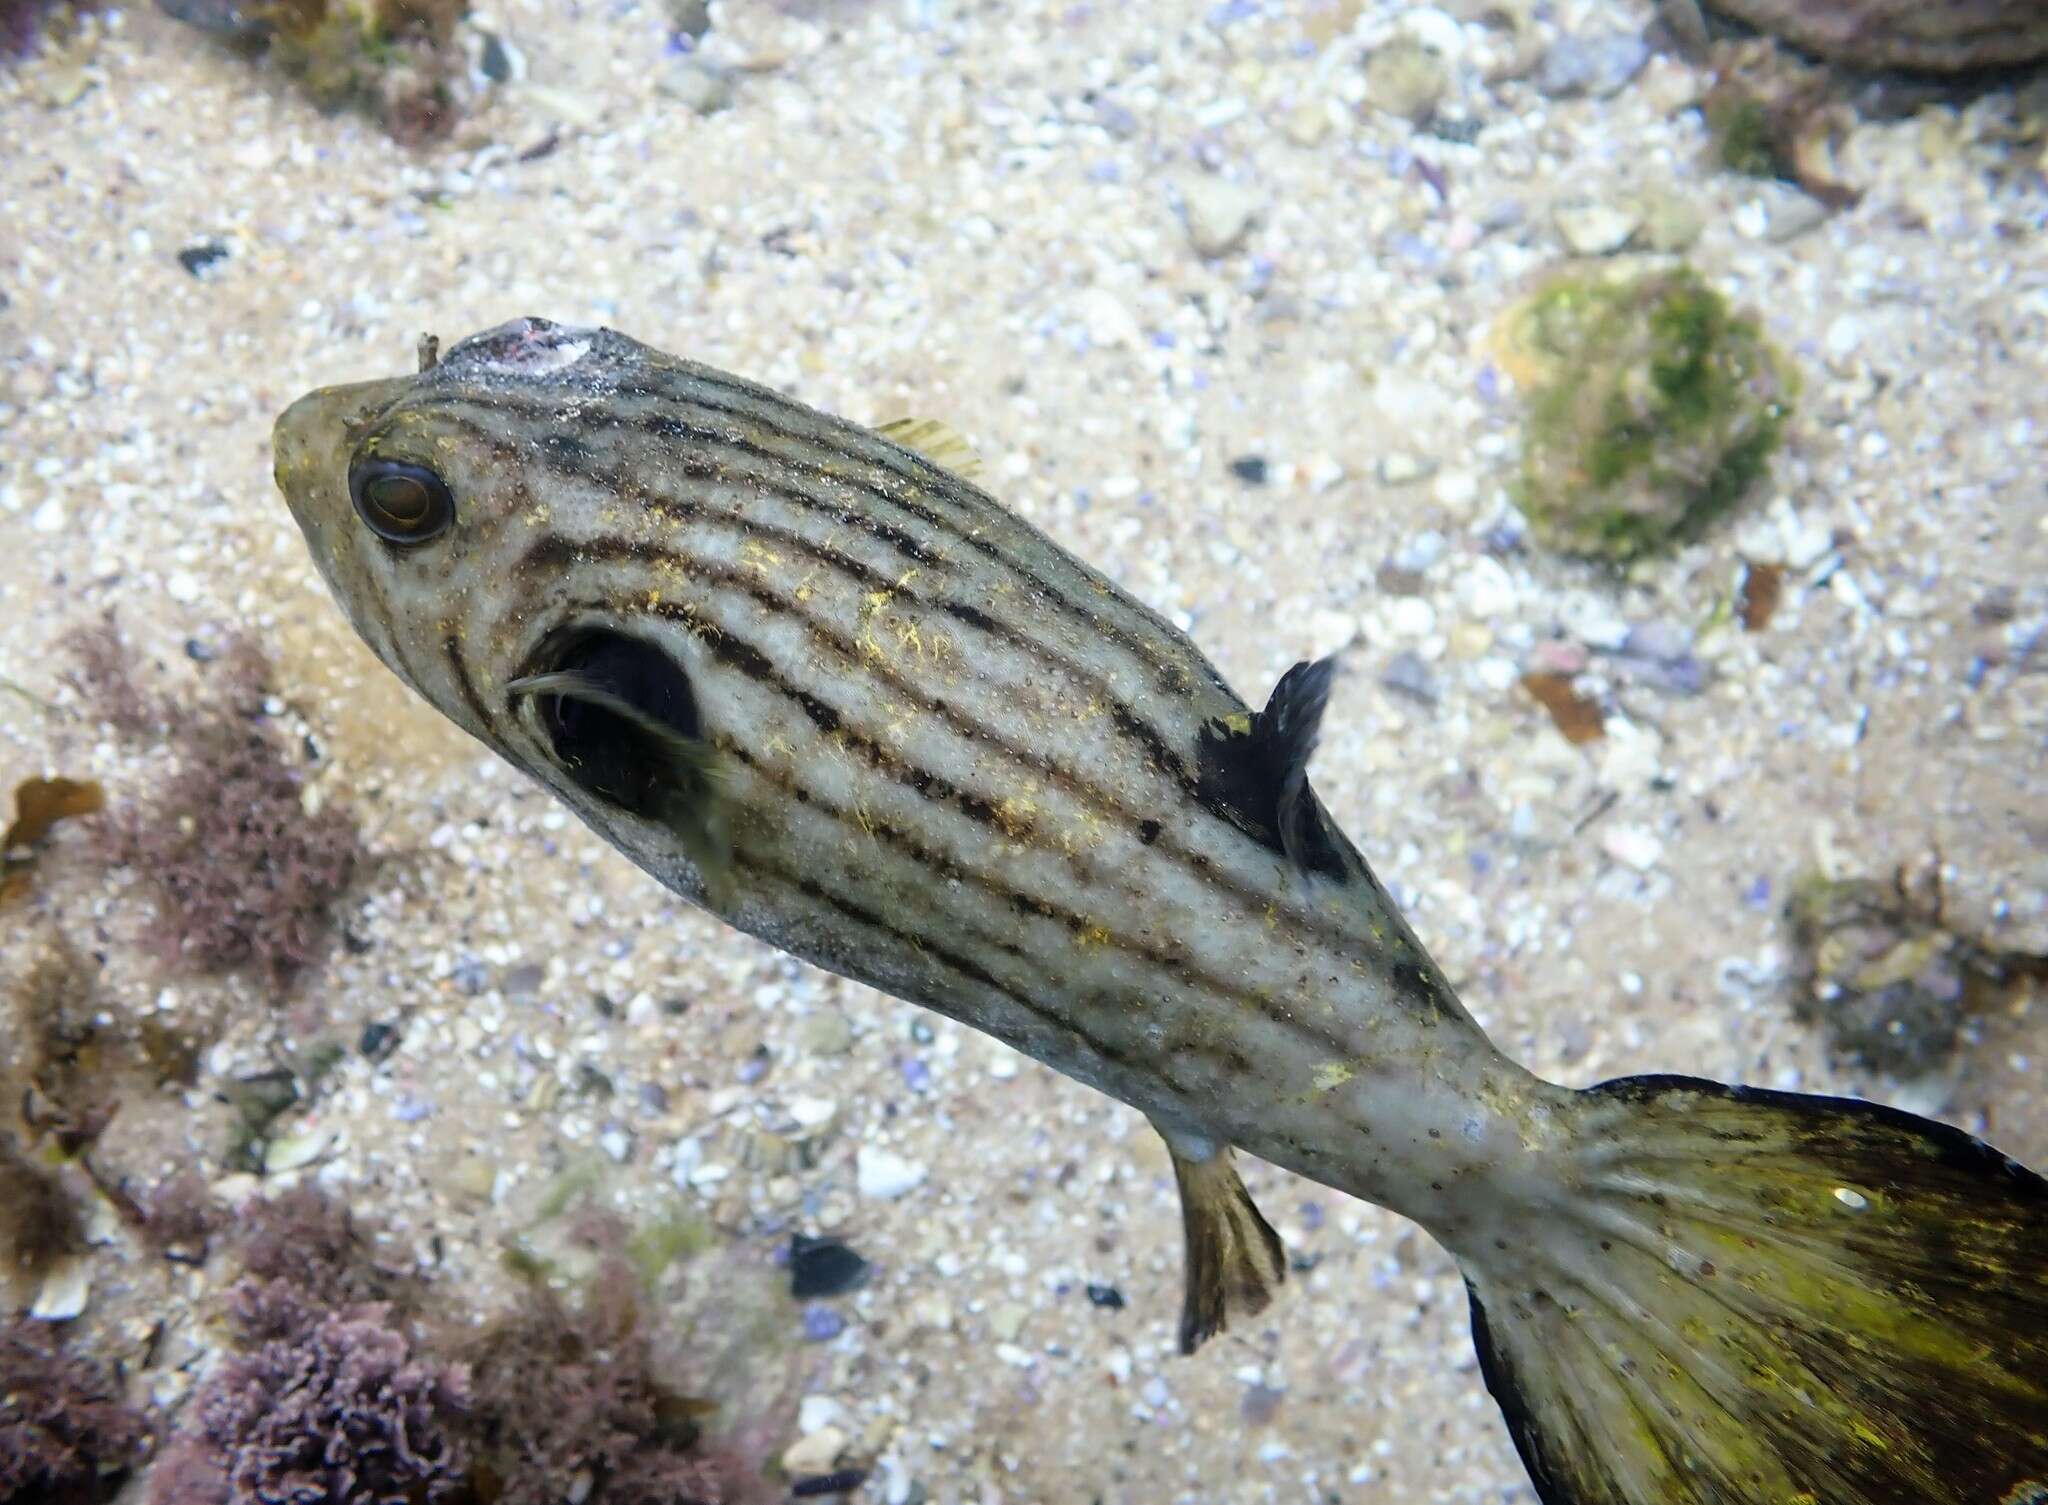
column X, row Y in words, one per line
column 979, row 212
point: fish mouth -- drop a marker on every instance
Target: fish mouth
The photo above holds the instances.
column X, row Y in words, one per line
column 613, row 710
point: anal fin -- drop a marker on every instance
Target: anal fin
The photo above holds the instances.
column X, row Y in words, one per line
column 1235, row 1260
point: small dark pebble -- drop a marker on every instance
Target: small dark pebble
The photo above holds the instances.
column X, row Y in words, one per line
column 921, row 1032
column 1115, row 119
column 653, row 1097
column 470, row 975
column 591, row 1082
column 378, row 1041
column 1666, row 642
column 1505, row 536
column 495, row 61
column 227, row 19
column 822, row 1324
column 1408, row 675
column 1259, row 1404
column 755, row 1066
column 201, row 257
column 1311, row 1216
column 260, row 1098
column 1250, row 469
column 355, row 943
column 1460, row 130
column 1395, row 580
column 1683, row 675
column 1996, row 608
column 828, row 1484
column 1107, row 1297
column 691, row 18
column 823, row 1267
column 200, row 651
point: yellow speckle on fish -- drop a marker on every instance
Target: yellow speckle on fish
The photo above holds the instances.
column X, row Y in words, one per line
column 1018, row 813
column 1086, row 834
column 1239, row 723
column 901, row 719
column 1331, row 1075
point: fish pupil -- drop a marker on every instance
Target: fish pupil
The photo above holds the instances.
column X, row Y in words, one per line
column 401, row 498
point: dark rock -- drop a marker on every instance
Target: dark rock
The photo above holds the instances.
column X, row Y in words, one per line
column 1887, row 985
column 201, row 257
column 378, row 1041
column 1956, row 36
column 1107, row 1297
column 1406, row 674
column 823, row 1267
column 691, row 18
column 495, row 60
column 1250, row 469
column 838, row 1482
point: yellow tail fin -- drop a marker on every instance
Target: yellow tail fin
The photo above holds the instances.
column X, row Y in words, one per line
column 1744, row 1297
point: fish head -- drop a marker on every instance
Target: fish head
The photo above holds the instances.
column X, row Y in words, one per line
column 449, row 513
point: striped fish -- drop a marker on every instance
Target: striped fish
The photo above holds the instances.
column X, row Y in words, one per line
column 811, row 677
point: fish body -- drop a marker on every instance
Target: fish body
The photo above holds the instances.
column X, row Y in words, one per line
column 959, row 764
column 826, row 687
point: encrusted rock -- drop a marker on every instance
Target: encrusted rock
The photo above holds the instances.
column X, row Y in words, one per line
column 1947, row 36
column 1652, row 408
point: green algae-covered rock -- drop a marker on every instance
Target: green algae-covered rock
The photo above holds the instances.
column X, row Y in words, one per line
column 1652, row 409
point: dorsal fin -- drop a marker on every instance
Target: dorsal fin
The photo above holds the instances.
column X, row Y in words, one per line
column 1253, row 771
column 1291, row 724
column 937, row 442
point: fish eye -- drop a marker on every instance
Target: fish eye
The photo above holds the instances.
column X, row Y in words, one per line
column 401, row 503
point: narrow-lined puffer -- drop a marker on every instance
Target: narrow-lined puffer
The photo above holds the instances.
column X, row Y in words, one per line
column 812, row 678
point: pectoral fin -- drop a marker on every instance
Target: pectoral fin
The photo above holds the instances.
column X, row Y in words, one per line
column 650, row 766
column 1234, row 1258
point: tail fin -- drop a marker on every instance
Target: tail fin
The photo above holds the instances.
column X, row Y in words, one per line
column 1744, row 1297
